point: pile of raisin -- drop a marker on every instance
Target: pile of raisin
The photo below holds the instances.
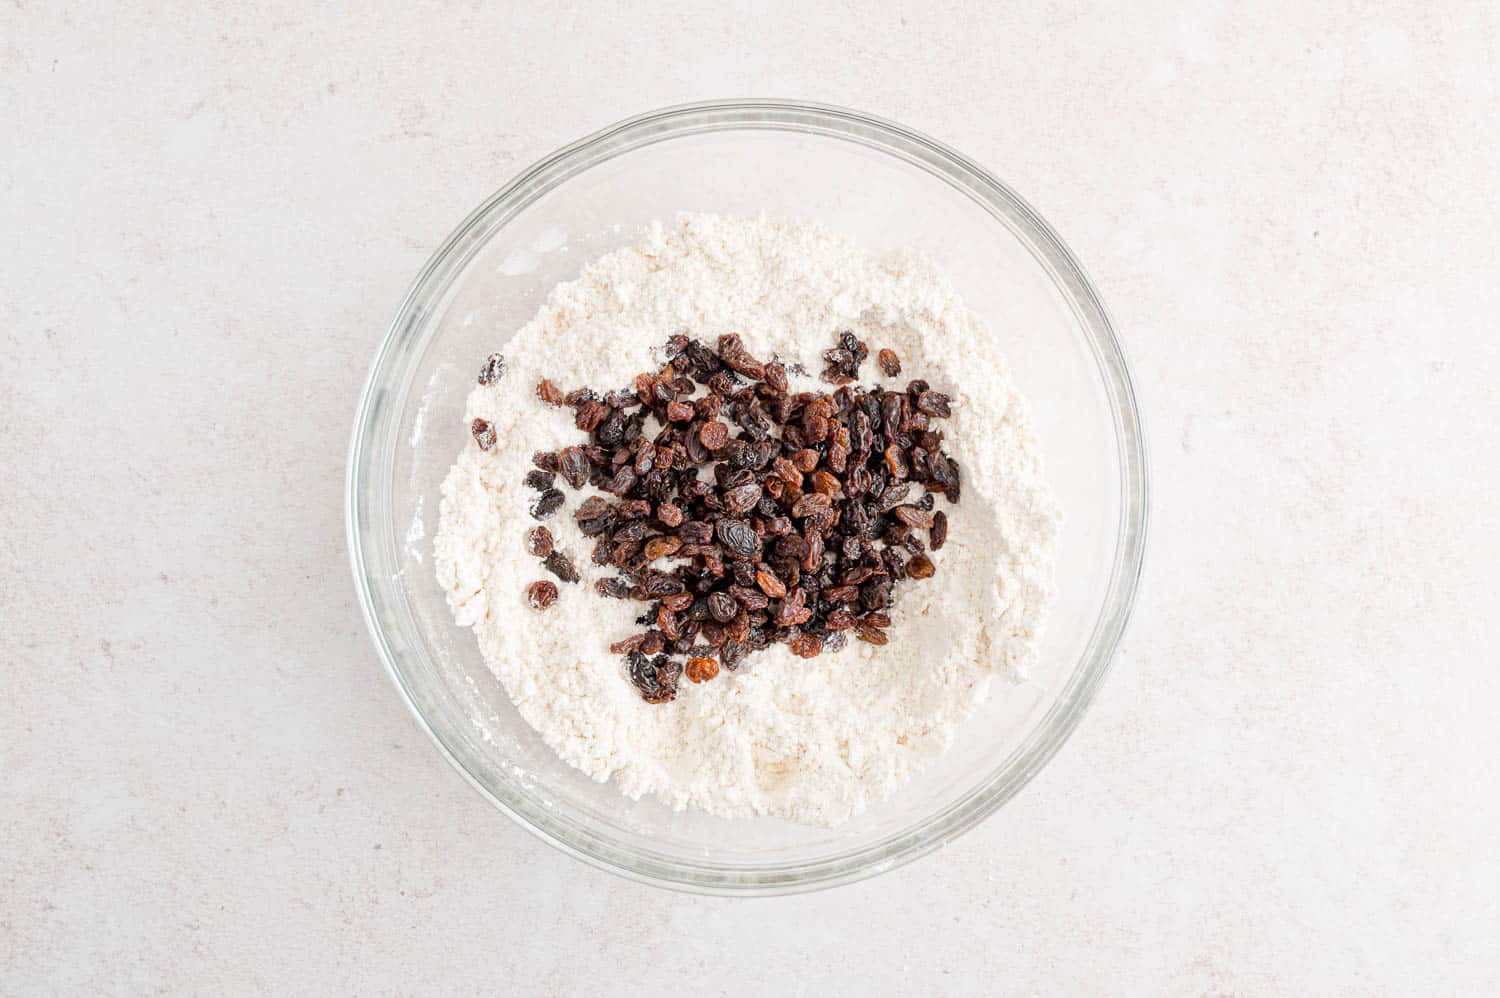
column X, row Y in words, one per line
column 754, row 515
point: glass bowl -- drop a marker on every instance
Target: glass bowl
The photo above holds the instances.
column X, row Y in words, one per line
column 872, row 180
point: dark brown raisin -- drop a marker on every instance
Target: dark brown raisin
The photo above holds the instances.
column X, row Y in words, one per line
column 738, row 537
column 573, row 464
column 549, row 502
column 614, row 587
column 934, row 404
column 938, row 536
column 539, row 480
column 541, row 594
column 890, row 364
column 869, row 634
column 723, row 607
column 561, row 566
column 546, row 460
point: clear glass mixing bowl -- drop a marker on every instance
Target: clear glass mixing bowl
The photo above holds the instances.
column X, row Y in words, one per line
column 870, row 179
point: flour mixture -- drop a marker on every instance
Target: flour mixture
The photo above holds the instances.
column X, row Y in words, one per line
column 708, row 528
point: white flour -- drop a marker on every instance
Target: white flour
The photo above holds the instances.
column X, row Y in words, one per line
column 811, row 740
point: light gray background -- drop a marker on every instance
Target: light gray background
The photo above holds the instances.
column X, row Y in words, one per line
column 1287, row 786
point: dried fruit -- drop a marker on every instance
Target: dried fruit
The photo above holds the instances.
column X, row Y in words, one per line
column 546, row 504
column 913, row 517
column 573, row 464
column 561, row 566
column 747, row 515
column 806, row 645
column 662, row 547
column 770, row 584
column 701, row 670
column 484, row 433
column 539, row 542
column 541, row 594
column 492, row 370
column 713, row 435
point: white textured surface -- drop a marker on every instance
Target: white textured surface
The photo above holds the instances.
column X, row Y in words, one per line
column 1287, row 787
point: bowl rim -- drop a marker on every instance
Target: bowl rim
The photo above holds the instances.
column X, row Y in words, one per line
column 1003, row 204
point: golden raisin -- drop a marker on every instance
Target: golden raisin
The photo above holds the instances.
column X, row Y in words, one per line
column 700, row 670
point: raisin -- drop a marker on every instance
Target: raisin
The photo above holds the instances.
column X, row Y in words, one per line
column 539, row 542
column 589, row 415
column 677, row 602
column 739, row 538
column 770, row 584
column 913, row 517
column 627, row 645
column 788, row 517
column 484, row 433
column 742, row 498
column 733, row 353
column 614, row 587
column 662, row 547
column 934, row 404
column 546, row 504
column 573, row 464
column 895, row 462
column 732, row 654
column 561, row 566
column 749, row 598
column 806, row 645
column 541, row 594
column 775, row 377
column 701, row 670
column 492, row 370
column 813, row 502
